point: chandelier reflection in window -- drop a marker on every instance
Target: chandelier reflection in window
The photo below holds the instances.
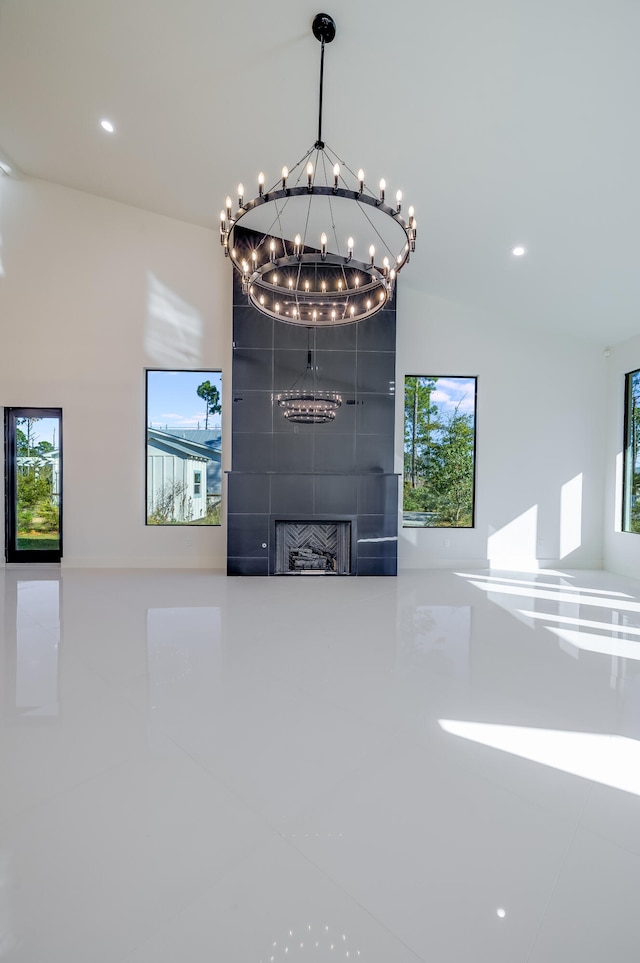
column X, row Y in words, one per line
column 328, row 249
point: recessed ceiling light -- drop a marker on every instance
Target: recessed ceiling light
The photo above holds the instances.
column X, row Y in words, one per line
column 519, row 251
column 107, row 125
column 501, row 913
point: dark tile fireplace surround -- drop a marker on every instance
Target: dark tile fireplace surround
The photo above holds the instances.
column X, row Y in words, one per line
column 338, row 472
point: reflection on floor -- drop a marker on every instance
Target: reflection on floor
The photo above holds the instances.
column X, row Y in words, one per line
column 442, row 767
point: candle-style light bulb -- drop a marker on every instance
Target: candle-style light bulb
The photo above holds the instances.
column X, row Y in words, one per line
column 357, row 282
column 349, row 248
column 228, row 206
column 309, row 174
column 336, row 174
column 361, row 180
column 385, row 265
column 340, row 285
column 291, row 284
column 324, row 287
column 285, row 174
column 306, row 285
column 314, row 315
column 383, row 187
column 352, row 310
column 368, row 305
column 333, row 315
column 372, row 253
column 272, row 249
column 240, row 194
column 277, row 308
column 323, row 245
column 275, row 278
column 245, row 267
column 261, row 183
column 297, row 244
column 398, row 201
column 294, row 312
column 262, row 299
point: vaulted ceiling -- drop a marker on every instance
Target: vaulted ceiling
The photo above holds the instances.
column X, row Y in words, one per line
column 504, row 122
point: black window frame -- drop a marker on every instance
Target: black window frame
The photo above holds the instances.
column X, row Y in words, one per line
column 443, row 377
column 147, row 523
column 631, row 447
column 11, row 551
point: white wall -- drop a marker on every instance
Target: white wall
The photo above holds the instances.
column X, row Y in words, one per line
column 621, row 549
column 91, row 293
column 540, row 425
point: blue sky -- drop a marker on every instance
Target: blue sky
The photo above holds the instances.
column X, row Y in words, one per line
column 450, row 392
column 172, row 399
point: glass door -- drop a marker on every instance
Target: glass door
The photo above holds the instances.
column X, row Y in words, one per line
column 33, row 484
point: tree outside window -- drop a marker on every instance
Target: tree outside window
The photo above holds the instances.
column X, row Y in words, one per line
column 439, row 451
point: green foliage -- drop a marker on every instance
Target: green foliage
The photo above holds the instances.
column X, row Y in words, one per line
column 211, row 396
column 632, row 455
column 39, row 542
column 420, row 421
column 450, row 475
column 26, row 440
column 438, row 458
column 36, row 509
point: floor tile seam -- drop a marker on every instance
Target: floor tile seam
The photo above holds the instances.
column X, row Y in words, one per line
column 267, row 821
column 226, row 786
column 354, row 899
column 558, row 875
column 171, row 915
column 307, row 692
column 64, row 790
column 509, row 791
column 100, row 675
column 598, row 834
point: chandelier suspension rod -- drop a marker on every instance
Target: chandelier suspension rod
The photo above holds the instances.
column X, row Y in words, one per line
column 324, row 30
column 319, row 143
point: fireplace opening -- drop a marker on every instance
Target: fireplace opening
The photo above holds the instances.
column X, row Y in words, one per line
column 313, row 548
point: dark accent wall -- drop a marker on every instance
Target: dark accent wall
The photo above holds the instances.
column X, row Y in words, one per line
column 337, row 471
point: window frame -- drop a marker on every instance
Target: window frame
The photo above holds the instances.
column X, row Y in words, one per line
column 627, row 460
column 436, row 378
column 194, row 522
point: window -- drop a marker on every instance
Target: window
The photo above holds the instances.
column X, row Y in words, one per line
column 631, row 492
column 33, row 483
column 184, row 470
column 439, row 451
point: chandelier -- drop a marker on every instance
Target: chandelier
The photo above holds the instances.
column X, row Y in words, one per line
column 318, row 247
column 303, row 403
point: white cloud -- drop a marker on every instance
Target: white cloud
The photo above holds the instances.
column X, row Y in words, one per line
column 453, row 393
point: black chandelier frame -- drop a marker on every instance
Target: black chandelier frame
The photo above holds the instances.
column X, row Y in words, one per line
column 299, row 284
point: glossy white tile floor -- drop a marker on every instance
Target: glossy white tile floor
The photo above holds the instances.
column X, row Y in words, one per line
column 442, row 767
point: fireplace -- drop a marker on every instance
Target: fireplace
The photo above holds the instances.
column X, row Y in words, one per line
column 312, row 548
column 341, row 471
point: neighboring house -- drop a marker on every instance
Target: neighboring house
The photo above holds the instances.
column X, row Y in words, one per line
column 211, row 438
column 178, row 475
